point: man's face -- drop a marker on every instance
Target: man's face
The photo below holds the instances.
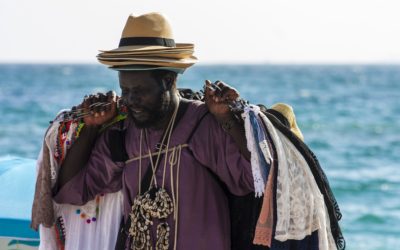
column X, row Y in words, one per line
column 147, row 99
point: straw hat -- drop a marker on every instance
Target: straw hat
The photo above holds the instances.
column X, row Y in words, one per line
column 287, row 112
column 147, row 42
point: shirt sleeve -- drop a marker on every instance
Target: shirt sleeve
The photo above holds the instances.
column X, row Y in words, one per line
column 100, row 175
column 217, row 150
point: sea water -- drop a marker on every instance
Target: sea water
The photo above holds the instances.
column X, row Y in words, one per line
column 349, row 115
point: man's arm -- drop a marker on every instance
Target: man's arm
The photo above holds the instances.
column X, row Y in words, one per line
column 79, row 153
column 235, row 128
column 217, row 150
column 217, row 101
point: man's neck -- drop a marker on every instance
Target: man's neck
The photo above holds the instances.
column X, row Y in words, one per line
column 164, row 122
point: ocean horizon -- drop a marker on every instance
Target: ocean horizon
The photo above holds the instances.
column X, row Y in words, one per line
column 349, row 115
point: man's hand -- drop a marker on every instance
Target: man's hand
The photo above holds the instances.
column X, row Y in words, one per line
column 99, row 114
column 218, row 96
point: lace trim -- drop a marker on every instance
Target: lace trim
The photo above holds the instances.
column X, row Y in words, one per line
column 259, row 184
column 322, row 182
column 300, row 205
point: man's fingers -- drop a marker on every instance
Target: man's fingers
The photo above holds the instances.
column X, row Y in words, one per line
column 219, row 91
column 85, row 102
column 102, row 103
column 111, row 100
column 209, row 87
column 208, row 90
column 99, row 108
column 226, row 92
column 91, row 100
column 111, row 96
column 94, row 106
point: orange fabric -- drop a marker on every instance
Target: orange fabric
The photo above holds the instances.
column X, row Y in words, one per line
column 265, row 223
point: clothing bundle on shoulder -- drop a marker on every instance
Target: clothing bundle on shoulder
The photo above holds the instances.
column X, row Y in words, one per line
column 299, row 210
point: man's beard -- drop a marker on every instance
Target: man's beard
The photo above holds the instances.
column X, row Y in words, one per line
column 155, row 114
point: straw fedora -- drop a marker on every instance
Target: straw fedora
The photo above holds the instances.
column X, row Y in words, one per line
column 287, row 111
column 147, row 43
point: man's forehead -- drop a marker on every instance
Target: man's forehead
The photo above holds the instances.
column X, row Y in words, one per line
column 137, row 78
column 135, row 74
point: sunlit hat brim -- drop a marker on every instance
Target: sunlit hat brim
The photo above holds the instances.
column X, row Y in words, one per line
column 136, row 48
column 175, row 55
column 138, row 67
column 176, row 63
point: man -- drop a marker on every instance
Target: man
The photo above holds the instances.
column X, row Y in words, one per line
column 191, row 151
column 184, row 166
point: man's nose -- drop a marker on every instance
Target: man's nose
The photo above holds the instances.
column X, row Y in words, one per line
column 133, row 99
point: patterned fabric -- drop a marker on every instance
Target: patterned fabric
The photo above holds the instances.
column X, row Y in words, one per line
column 259, row 166
column 308, row 243
column 76, row 227
column 263, row 150
column 267, row 220
column 321, row 179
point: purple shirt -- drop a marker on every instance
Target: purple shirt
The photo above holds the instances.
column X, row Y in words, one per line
column 203, row 206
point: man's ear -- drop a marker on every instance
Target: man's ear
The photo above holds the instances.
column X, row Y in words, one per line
column 169, row 81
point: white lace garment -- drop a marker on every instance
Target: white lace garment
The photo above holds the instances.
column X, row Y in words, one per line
column 101, row 234
column 300, row 205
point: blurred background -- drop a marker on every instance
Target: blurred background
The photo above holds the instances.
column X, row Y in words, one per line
column 336, row 62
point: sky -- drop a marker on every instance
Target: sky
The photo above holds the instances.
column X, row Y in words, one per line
column 223, row 31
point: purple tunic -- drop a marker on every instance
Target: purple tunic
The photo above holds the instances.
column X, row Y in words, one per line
column 203, row 220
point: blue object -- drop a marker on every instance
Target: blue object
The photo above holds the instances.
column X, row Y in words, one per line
column 17, row 185
column 259, row 136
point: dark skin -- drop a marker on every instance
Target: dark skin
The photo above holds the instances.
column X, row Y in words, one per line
column 150, row 104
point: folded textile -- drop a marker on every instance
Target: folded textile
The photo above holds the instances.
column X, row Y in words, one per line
column 301, row 210
column 319, row 176
column 255, row 158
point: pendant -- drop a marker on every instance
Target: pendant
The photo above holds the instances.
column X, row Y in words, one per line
column 162, row 236
column 153, row 204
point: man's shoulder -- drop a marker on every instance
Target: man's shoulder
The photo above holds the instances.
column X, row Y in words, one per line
column 198, row 115
column 197, row 106
column 197, row 110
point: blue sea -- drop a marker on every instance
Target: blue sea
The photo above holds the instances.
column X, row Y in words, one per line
column 349, row 115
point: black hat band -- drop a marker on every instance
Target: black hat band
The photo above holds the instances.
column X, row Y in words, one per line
column 149, row 41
